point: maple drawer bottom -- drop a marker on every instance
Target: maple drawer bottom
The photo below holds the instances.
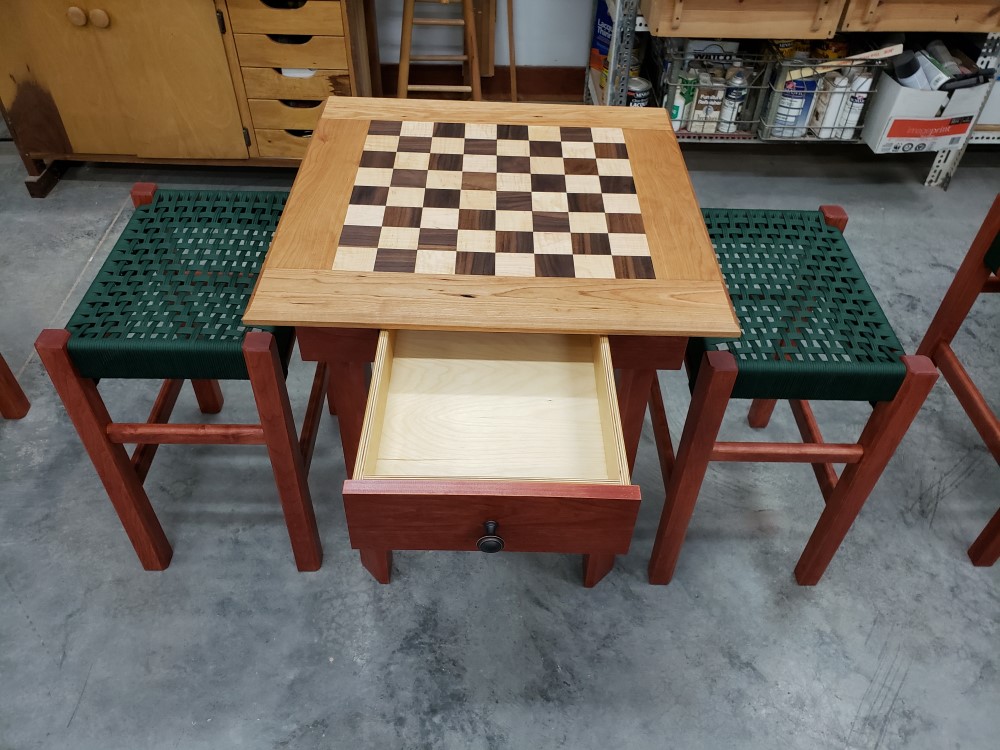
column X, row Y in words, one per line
column 494, row 442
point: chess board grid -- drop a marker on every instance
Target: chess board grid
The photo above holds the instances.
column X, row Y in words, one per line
column 494, row 200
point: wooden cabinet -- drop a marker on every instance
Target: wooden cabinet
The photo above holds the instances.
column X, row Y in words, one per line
column 193, row 80
column 293, row 54
column 771, row 19
column 139, row 77
column 922, row 15
column 815, row 19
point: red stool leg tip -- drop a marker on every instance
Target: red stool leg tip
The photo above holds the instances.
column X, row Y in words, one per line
column 142, row 193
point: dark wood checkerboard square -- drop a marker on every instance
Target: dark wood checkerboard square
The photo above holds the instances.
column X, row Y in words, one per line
column 560, row 202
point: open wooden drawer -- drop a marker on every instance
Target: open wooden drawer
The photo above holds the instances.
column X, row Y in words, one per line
column 465, row 429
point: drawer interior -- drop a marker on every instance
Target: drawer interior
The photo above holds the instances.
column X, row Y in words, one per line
column 501, row 406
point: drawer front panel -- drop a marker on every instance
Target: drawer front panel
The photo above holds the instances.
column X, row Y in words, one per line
column 288, row 114
column 531, row 517
column 268, row 83
column 281, row 144
column 744, row 19
column 277, row 51
column 919, row 15
column 314, row 17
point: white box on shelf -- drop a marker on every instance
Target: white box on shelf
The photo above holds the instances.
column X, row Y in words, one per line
column 905, row 120
column 991, row 113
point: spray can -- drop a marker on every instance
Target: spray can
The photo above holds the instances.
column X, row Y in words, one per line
column 850, row 113
column 829, row 103
column 736, row 94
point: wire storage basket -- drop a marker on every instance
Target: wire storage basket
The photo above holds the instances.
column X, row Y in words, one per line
column 818, row 99
column 714, row 96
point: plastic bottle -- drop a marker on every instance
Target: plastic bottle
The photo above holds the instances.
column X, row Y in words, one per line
column 908, row 71
column 737, row 89
column 935, row 76
column 833, row 100
column 939, row 51
column 850, row 113
column 684, row 94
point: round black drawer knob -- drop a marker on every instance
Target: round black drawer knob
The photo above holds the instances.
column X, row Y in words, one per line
column 490, row 542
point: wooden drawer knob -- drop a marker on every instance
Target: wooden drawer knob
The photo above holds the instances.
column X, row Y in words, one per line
column 490, row 542
column 100, row 18
column 76, row 16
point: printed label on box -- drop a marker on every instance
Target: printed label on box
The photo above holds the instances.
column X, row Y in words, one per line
column 936, row 134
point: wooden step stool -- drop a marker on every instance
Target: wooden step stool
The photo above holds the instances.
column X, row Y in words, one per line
column 167, row 305
column 977, row 275
column 469, row 58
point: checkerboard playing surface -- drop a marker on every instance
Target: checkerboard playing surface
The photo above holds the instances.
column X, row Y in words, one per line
column 494, row 200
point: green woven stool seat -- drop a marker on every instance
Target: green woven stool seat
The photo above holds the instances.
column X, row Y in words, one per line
column 168, row 301
column 812, row 328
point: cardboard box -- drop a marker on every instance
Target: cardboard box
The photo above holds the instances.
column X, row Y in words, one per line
column 991, row 112
column 904, row 120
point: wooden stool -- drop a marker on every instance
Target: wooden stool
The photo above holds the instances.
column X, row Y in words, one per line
column 469, row 58
column 812, row 329
column 13, row 403
column 976, row 275
column 167, row 305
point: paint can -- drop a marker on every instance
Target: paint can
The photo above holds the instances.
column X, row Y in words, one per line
column 639, row 92
column 633, row 68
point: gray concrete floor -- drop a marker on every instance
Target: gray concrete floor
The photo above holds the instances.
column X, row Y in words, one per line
column 230, row 647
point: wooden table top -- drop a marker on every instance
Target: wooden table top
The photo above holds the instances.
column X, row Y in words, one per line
column 455, row 215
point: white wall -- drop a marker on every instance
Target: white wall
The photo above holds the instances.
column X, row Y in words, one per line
column 546, row 32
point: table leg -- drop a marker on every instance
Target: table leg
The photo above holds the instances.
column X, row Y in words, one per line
column 633, row 397
column 349, row 390
column 595, row 567
column 378, row 562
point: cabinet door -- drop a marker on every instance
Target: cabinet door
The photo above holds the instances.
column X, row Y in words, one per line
column 172, row 78
column 744, row 19
column 922, row 15
column 55, row 84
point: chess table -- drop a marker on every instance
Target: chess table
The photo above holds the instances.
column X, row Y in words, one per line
column 416, row 215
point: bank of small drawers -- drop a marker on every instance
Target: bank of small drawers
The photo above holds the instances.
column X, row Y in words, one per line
column 269, row 38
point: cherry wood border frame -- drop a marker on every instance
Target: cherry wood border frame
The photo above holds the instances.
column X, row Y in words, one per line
column 972, row 279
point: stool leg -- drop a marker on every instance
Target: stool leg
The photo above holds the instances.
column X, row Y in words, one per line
column 883, row 432
column 209, row 396
column 404, row 50
column 472, row 49
column 13, row 403
column 90, row 417
column 712, row 390
column 264, row 366
column 985, row 551
column 760, row 412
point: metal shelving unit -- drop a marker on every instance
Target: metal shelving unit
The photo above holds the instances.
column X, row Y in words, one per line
column 625, row 17
column 624, row 14
column 947, row 162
